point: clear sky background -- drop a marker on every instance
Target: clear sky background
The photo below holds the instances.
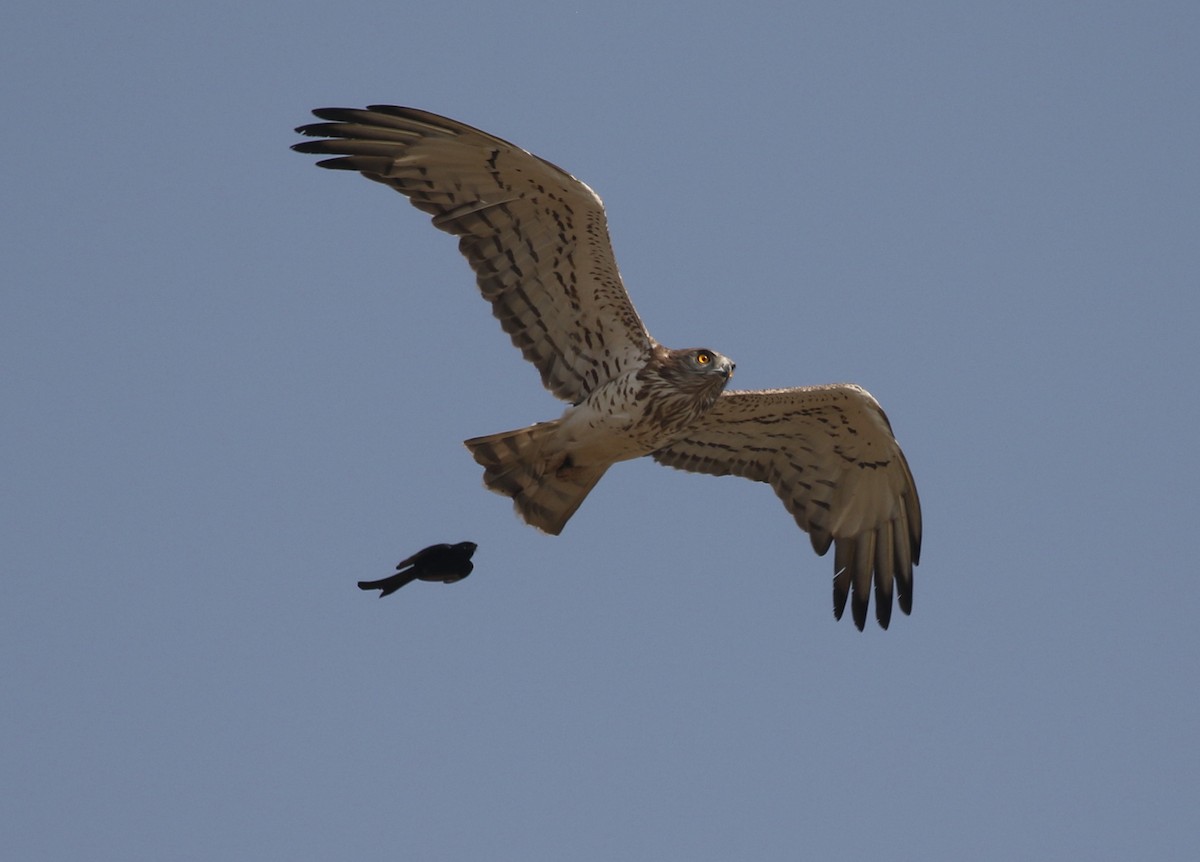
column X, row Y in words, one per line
column 232, row 385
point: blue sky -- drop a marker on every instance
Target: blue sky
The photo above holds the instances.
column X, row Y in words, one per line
column 234, row 384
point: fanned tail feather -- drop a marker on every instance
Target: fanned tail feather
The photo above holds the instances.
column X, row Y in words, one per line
column 545, row 487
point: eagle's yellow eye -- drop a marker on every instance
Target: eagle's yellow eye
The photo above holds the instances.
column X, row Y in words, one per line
column 703, row 358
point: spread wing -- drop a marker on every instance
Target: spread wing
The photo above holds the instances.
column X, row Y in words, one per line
column 829, row 453
column 536, row 237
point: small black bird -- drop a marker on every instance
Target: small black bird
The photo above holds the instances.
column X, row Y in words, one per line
column 444, row 563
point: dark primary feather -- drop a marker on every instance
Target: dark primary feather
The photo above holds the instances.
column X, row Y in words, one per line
column 438, row 563
column 536, row 237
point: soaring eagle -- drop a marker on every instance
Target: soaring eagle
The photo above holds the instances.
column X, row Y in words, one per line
column 537, row 239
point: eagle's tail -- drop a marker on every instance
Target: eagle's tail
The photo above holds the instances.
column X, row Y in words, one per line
column 545, row 487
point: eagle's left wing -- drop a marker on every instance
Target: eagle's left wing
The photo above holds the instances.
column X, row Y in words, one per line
column 536, row 237
column 829, row 453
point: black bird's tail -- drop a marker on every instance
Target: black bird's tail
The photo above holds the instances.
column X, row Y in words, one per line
column 389, row 584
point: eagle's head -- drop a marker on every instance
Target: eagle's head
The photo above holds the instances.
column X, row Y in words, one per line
column 700, row 363
column 692, row 379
